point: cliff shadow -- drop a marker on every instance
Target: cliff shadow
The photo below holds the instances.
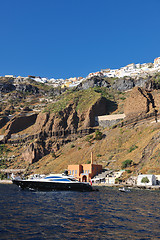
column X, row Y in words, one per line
column 111, row 106
column 21, row 123
column 3, row 121
column 101, row 108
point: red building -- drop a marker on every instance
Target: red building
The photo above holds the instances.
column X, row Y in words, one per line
column 85, row 172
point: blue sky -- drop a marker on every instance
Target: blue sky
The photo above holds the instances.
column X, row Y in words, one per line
column 67, row 38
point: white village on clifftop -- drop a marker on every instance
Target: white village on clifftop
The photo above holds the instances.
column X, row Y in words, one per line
column 131, row 70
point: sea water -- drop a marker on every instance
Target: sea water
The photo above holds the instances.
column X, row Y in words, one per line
column 104, row 214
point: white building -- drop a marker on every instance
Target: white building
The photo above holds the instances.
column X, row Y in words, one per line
column 150, row 180
column 157, row 62
column 158, row 179
column 9, row 76
column 133, row 70
column 131, row 67
column 112, row 73
column 119, row 173
column 41, row 80
column 132, row 180
column 138, row 65
column 110, row 180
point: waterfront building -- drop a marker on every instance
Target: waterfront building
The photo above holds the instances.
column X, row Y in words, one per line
column 146, row 180
column 132, row 181
column 107, row 176
column 158, row 179
column 110, row 180
column 85, row 172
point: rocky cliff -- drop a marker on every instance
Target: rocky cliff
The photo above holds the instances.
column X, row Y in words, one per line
column 139, row 102
column 55, row 127
column 121, row 84
column 36, row 125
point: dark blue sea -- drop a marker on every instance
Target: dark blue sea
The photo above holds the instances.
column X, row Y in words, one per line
column 107, row 214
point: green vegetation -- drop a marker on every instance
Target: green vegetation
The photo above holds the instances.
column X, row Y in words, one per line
column 40, row 85
column 118, row 180
column 89, row 137
column 72, row 145
column 2, row 176
column 3, row 164
column 108, row 94
column 132, row 148
column 99, row 155
column 128, row 171
column 126, row 163
column 3, row 153
column 122, row 98
column 3, row 149
column 98, row 135
column 54, row 155
column 145, row 180
column 83, row 99
column 156, row 78
column 110, row 157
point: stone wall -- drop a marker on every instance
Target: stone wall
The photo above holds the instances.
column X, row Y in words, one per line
column 108, row 120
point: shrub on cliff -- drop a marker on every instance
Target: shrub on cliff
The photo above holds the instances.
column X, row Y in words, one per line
column 126, row 163
column 98, row 135
column 54, row 155
column 89, row 138
column 132, row 148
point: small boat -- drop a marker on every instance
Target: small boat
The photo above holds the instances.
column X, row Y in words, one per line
column 124, row 190
column 52, row 182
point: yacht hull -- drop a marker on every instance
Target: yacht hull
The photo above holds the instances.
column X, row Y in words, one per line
column 52, row 186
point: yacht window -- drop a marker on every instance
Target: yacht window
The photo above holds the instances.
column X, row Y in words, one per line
column 72, row 179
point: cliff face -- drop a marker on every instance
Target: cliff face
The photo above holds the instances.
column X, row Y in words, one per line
column 57, row 121
column 51, row 130
column 8, row 85
column 70, row 119
column 33, row 152
column 139, row 102
column 19, row 123
column 120, row 84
